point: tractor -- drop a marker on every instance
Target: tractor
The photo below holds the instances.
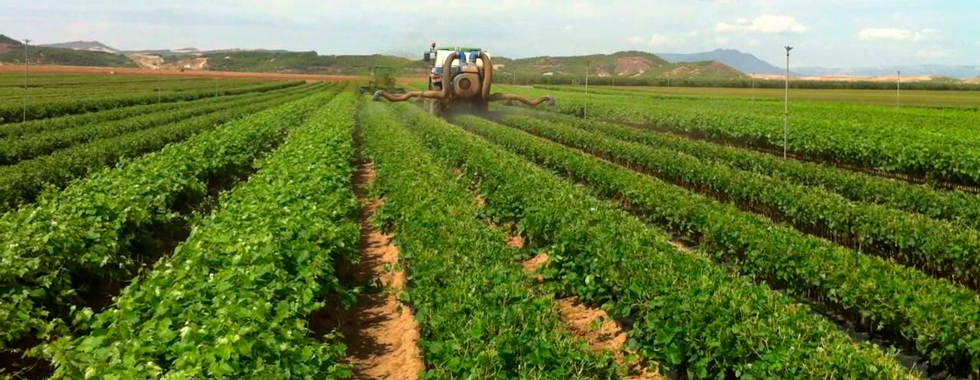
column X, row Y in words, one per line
column 459, row 80
column 382, row 79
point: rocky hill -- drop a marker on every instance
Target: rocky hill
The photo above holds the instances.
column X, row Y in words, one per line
column 12, row 52
column 84, row 45
column 624, row 64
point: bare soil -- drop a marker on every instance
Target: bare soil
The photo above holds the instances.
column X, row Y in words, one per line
column 380, row 332
column 594, row 326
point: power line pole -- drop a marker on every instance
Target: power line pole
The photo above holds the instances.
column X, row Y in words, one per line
column 786, row 105
column 898, row 90
column 587, row 64
column 26, row 71
column 159, row 95
column 753, row 86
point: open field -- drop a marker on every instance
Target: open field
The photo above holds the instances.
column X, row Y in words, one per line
column 284, row 228
column 937, row 99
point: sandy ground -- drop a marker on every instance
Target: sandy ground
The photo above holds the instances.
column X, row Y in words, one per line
column 380, row 333
column 590, row 324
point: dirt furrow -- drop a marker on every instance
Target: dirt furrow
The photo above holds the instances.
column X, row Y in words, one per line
column 380, row 332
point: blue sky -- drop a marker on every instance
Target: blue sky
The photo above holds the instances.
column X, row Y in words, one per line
column 834, row 33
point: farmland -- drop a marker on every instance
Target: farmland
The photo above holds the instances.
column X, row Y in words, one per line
column 207, row 228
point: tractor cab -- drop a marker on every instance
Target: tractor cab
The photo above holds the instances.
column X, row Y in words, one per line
column 460, row 78
column 467, row 62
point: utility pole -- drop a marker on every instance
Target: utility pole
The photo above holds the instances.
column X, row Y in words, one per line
column 753, row 86
column 158, row 80
column 26, row 71
column 786, row 105
column 898, row 90
column 587, row 64
column 668, row 79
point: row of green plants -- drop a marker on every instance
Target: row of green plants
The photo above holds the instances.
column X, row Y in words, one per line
column 923, row 145
column 955, row 206
column 479, row 315
column 25, row 147
column 940, row 248
column 683, row 310
column 92, row 231
column 13, row 113
column 933, row 317
column 86, row 80
column 58, row 123
column 740, row 82
column 45, row 93
column 27, row 181
column 233, row 300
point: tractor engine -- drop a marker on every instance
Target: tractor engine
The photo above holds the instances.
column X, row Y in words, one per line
column 459, row 76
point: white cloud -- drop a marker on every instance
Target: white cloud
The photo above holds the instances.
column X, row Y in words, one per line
column 764, row 24
column 895, row 34
column 636, row 40
column 937, row 54
column 569, row 27
column 662, row 41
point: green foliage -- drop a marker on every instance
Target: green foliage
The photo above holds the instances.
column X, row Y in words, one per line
column 66, row 57
column 954, row 206
column 685, row 311
column 25, row 147
column 926, row 144
column 110, row 99
column 91, row 118
column 940, row 248
column 479, row 315
column 232, row 301
column 88, row 230
column 25, row 181
column 935, row 317
column 307, row 62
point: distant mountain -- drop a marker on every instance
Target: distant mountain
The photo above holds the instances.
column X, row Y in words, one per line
column 624, row 64
column 959, row 72
column 744, row 62
column 84, row 45
column 8, row 41
column 307, row 62
column 12, row 51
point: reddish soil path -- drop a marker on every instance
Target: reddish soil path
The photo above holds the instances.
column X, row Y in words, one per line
column 380, row 332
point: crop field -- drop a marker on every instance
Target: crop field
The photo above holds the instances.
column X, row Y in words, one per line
column 922, row 98
column 258, row 229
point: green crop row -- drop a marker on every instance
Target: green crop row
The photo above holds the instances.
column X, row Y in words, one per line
column 232, row 301
column 937, row 247
column 24, row 182
column 934, row 317
column 685, row 311
column 23, row 147
column 479, row 315
column 71, row 106
column 89, row 230
column 850, row 136
column 954, row 206
column 70, row 121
